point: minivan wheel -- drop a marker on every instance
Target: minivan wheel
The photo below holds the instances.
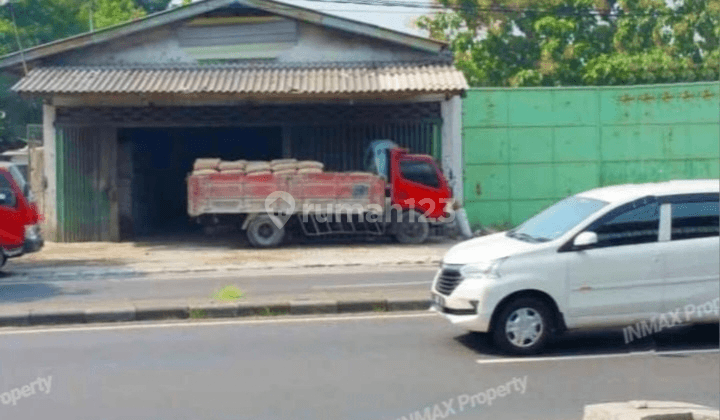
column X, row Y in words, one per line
column 523, row 326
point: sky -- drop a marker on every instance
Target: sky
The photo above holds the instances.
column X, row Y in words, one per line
column 397, row 18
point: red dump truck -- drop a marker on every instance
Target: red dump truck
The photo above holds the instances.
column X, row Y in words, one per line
column 402, row 195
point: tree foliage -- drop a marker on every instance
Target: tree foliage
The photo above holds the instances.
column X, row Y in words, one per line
column 580, row 42
column 111, row 12
column 43, row 21
column 153, row 6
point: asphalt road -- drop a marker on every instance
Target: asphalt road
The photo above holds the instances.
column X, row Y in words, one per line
column 254, row 283
column 350, row 367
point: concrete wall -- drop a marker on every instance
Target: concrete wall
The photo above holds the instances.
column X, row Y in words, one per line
column 314, row 44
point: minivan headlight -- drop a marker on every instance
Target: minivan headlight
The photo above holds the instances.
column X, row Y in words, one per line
column 482, row 269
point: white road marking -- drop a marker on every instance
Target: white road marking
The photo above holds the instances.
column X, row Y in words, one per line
column 198, row 323
column 347, row 286
column 508, row 360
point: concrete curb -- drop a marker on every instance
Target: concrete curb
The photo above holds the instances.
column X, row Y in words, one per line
column 165, row 310
column 649, row 410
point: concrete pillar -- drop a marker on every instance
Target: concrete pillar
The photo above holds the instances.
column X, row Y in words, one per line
column 452, row 156
column 452, row 153
column 50, row 199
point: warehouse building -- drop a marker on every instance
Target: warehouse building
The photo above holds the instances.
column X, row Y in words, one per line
column 127, row 109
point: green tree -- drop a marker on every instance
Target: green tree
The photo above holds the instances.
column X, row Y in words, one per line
column 38, row 22
column 153, row 6
column 575, row 42
column 111, row 12
column 43, row 21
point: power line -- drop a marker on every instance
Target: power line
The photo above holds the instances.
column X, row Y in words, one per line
column 17, row 38
column 502, row 10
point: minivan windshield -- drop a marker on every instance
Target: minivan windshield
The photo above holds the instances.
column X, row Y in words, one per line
column 556, row 220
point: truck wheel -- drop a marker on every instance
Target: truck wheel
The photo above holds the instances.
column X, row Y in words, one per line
column 523, row 326
column 3, row 258
column 412, row 229
column 263, row 233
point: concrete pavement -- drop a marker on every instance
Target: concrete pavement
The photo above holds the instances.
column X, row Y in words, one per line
column 376, row 366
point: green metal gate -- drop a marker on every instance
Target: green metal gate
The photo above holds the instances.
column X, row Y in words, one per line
column 84, row 164
column 524, row 149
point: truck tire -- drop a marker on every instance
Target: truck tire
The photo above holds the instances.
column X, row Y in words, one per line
column 412, row 229
column 3, row 258
column 263, row 233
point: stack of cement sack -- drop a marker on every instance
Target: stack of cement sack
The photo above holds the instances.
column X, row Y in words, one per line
column 233, row 167
column 208, row 166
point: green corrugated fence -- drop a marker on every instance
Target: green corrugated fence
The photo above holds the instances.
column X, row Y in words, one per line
column 527, row 148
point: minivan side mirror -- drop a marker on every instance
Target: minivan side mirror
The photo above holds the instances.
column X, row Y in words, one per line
column 7, row 197
column 585, row 239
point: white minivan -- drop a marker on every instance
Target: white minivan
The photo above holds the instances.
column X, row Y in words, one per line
column 608, row 257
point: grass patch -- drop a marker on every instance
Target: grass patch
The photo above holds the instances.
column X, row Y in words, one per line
column 228, row 293
column 198, row 314
column 379, row 308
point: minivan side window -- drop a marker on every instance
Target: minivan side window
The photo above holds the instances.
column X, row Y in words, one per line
column 695, row 219
column 420, row 172
column 633, row 224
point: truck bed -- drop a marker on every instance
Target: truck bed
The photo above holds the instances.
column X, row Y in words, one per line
column 236, row 194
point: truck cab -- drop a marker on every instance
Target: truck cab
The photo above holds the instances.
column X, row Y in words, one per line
column 19, row 231
column 414, row 182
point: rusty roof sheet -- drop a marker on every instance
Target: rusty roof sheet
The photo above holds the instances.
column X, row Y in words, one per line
column 271, row 80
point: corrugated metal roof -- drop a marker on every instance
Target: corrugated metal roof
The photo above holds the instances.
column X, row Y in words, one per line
column 395, row 77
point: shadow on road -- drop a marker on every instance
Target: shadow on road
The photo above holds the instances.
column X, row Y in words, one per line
column 21, row 293
column 681, row 338
column 65, row 264
column 12, row 292
column 237, row 240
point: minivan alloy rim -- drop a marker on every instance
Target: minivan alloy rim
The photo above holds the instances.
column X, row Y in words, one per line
column 524, row 327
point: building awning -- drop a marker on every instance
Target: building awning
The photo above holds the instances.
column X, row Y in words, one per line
column 271, row 80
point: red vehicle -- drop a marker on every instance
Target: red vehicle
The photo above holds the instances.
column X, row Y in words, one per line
column 402, row 195
column 19, row 232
